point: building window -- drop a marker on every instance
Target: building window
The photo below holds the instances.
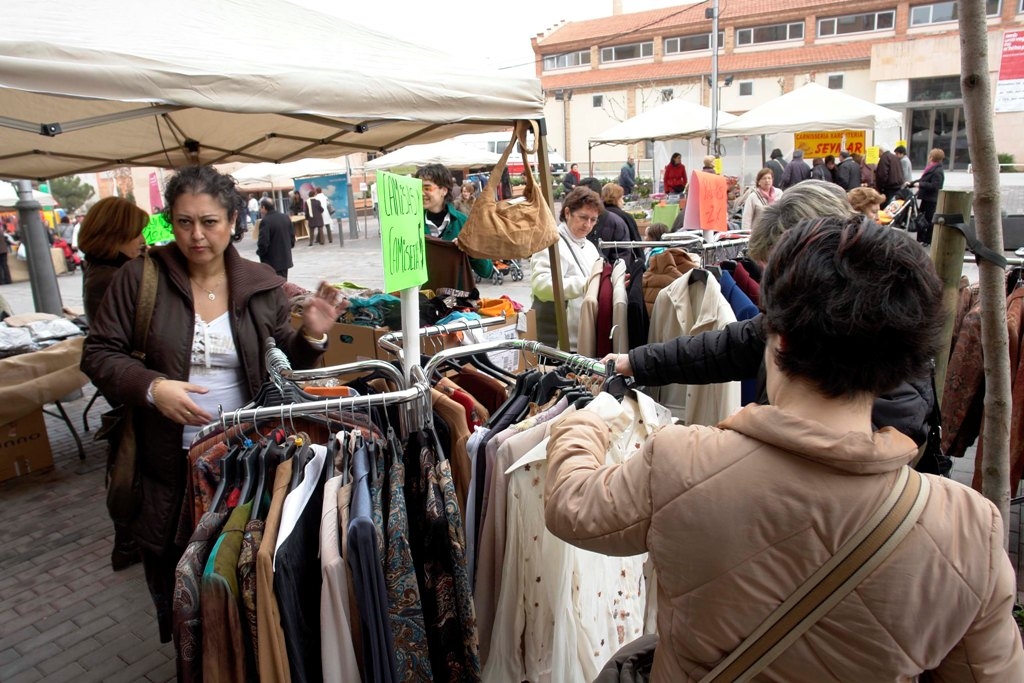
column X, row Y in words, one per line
column 746, row 88
column 856, row 23
column 666, row 95
column 569, row 59
column 621, row 53
column 770, row 34
column 938, row 12
column 598, row 100
column 935, row 89
column 694, row 43
column 835, row 82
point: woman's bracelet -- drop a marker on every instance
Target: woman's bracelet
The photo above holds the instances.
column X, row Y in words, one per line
column 318, row 342
column 151, row 392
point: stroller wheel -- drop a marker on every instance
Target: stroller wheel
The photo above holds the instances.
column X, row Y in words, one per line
column 497, row 278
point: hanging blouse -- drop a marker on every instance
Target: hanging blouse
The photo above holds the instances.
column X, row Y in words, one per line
column 216, row 366
column 563, row 611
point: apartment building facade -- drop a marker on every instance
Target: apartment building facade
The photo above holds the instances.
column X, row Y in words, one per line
column 904, row 55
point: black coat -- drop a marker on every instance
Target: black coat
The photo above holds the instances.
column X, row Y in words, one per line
column 778, row 168
column 736, row 352
column 929, row 184
column 848, row 174
column 277, row 237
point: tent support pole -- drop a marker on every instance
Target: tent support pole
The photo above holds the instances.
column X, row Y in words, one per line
column 764, row 152
column 42, row 277
column 544, row 168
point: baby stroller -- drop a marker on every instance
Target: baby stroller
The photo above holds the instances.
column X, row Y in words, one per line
column 504, row 268
column 903, row 210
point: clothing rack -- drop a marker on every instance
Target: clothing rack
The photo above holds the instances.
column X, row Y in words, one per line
column 279, row 368
column 349, row 368
column 645, row 244
column 574, row 360
column 392, row 340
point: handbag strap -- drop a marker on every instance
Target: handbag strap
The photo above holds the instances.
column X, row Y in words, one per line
column 144, row 308
column 816, row 597
column 573, row 254
column 518, row 136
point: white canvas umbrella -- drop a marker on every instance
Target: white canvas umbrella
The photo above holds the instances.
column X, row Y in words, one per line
column 812, row 107
column 451, row 153
column 673, row 120
column 121, row 94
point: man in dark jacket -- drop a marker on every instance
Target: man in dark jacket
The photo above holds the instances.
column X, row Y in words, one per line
column 847, row 172
column 796, row 171
column 778, row 167
column 888, row 174
column 277, row 237
column 736, row 352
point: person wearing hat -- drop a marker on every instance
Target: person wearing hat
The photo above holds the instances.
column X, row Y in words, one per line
column 777, row 165
column 796, row 171
column 847, row 171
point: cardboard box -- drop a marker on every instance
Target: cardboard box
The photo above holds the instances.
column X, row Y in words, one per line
column 24, row 446
column 351, row 343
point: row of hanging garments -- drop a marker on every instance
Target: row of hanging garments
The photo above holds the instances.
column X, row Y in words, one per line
column 963, row 395
column 343, row 544
column 678, row 292
column 330, row 547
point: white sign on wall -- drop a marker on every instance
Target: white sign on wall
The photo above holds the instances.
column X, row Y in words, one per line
column 1010, row 87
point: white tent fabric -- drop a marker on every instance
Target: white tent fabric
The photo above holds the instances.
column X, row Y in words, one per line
column 282, row 176
column 448, row 152
column 673, row 120
column 126, row 91
column 812, row 107
column 9, row 196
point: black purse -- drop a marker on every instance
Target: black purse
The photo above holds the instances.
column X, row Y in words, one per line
column 117, row 426
column 933, row 460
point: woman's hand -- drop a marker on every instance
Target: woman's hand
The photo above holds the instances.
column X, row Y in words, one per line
column 622, row 365
column 319, row 314
column 172, row 399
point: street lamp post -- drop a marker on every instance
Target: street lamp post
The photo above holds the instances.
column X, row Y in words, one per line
column 713, row 11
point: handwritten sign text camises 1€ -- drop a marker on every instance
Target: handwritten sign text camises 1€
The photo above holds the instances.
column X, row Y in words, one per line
column 400, row 201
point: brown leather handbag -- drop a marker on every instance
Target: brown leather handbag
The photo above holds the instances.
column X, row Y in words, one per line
column 513, row 228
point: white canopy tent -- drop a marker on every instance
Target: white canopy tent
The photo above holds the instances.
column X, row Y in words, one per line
column 451, row 153
column 673, row 121
column 124, row 92
column 9, row 196
column 282, row 176
column 812, row 107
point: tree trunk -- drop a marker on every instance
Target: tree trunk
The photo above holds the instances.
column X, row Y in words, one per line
column 977, row 93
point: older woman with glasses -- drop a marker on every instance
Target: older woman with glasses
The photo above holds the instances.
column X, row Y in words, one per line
column 576, row 255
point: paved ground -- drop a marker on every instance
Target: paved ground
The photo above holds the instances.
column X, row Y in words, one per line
column 64, row 615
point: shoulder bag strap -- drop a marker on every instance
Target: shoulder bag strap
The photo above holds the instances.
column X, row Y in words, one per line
column 572, row 253
column 144, row 308
column 857, row 558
